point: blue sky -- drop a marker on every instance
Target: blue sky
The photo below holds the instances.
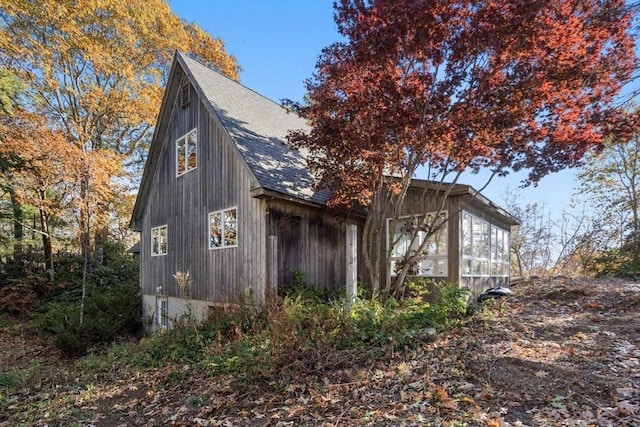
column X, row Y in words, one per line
column 277, row 43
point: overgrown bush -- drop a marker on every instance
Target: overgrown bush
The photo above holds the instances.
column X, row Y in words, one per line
column 18, row 297
column 27, row 291
column 395, row 320
column 113, row 304
column 300, row 289
column 299, row 330
column 110, row 311
column 189, row 341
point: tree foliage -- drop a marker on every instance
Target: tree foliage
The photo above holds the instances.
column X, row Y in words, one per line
column 94, row 71
column 10, row 88
column 99, row 66
column 610, row 182
column 35, row 170
column 454, row 85
column 547, row 243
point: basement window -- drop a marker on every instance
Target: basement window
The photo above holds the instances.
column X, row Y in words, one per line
column 162, row 310
column 223, row 228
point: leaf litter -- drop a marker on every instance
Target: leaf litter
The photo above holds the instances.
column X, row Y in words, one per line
column 561, row 352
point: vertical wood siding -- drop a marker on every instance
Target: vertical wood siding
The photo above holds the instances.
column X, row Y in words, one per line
column 311, row 242
column 220, row 181
column 454, row 241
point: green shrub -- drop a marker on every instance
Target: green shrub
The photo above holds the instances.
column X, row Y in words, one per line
column 393, row 320
column 189, row 341
column 179, row 344
column 68, row 269
column 301, row 290
column 445, row 308
column 372, row 322
column 113, row 305
column 4, row 321
column 110, row 311
column 12, row 379
column 622, row 262
column 25, row 293
column 18, row 378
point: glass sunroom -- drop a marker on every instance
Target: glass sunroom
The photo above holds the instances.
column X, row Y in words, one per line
column 471, row 242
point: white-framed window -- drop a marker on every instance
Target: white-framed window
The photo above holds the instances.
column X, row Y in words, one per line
column 485, row 248
column 499, row 252
column 223, row 228
column 159, row 240
column 186, row 152
column 162, row 311
column 410, row 234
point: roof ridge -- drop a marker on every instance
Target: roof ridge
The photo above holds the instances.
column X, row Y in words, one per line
column 186, row 58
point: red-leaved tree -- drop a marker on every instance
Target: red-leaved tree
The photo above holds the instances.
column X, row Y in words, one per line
column 453, row 85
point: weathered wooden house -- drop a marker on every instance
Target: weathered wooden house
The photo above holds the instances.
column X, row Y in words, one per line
column 224, row 200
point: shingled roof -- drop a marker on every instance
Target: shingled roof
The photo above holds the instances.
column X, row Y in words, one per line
column 256, row 125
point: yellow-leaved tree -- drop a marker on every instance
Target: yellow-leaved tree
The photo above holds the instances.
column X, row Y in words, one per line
column 96, row 69
column 34, row 171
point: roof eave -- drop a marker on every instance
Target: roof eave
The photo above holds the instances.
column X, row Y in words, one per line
column 476, row 195
column 467, row 190
column 265, row 193
column 155, row 148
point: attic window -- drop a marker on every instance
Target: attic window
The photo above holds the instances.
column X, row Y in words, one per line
column 186, row 152
column 184, row 92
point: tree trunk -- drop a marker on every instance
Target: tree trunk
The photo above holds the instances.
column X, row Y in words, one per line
column 18, row 232
column 46, row 240
column 371, row 254
column 100, row 239
column 85, row 236
column 101, row 233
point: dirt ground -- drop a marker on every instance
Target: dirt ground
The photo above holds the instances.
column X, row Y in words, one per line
column 565, row 352
column 558, row 352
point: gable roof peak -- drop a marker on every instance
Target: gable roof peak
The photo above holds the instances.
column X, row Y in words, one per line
column 258, row 127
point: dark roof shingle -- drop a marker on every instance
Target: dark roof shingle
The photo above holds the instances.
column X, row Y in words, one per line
column 258, row 127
